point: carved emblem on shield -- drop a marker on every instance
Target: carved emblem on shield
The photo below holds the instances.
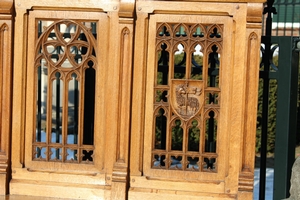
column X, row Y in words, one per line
column 186, row 97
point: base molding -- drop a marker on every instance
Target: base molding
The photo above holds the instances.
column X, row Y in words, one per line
column 150, row 194
column 59, row 190
column 4, row 174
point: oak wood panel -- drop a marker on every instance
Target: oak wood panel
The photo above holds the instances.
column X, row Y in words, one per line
column 237, row 154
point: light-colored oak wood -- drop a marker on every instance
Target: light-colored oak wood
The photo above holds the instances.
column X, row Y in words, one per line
column 108, row 173
column 125, row 62
column 6, row 7
column 6, row 39
column 236, row 128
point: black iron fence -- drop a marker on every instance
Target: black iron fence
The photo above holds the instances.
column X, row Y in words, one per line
column 277, row 115
column 286, row 21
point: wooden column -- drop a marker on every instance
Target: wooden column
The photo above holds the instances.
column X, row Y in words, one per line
column 6, row 32
column 121, row 65
column 253, row 35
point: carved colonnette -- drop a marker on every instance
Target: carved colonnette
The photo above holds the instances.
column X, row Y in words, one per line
column 6, row 33
column 253, row 34
column 154, row 172
column 125, row 30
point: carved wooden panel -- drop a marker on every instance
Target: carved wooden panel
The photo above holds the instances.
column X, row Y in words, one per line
column 187, row 95
column 62, row 98
column 195, row 96
column 185, row 108
column 65, row 62
column 76, row 128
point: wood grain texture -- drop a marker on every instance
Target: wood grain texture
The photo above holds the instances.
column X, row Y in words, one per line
column 236, row 110
column 6, row 70
column 6, row 7
column 123, row 151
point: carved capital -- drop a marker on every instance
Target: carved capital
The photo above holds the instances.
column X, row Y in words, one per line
column 126, row 8
column 254, row 12
column 6, row 6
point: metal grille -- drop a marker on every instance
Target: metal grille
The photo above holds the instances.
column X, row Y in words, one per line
column 287, row 20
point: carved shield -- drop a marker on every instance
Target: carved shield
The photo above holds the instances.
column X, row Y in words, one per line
column 186, row 97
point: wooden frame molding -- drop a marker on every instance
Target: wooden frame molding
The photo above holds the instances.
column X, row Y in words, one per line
column 6, row 52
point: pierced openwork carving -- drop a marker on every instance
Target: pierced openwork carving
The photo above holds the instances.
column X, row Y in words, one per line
column 65, row 63
column 187, row 95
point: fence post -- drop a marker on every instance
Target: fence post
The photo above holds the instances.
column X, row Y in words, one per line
column 286, row 115
column 265, row 112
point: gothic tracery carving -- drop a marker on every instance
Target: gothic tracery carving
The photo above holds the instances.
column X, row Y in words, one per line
column 65, row 63
column 187, row 95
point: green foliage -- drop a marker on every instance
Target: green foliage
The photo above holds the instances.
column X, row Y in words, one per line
column 177, row 136
column 199, row 60
column 194, row 137
column 159, row 78
column 178, row 58
column 159, row 123
column 272, row 113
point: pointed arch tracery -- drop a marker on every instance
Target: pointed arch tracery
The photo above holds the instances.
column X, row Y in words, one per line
column 65, row 67
column 187, row 95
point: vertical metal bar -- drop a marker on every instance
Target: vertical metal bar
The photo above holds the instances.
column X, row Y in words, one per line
column 75, row 111
column 89, row 105
column 277, row 18
column 292, row 19
column 75, row 124
column 76, row 104
column 165, row 74
column 286, row 115
column 165, row 66
column 39, row 105
column 293, row 12
column 265, row 112
column 264, row 132
column 212, row 83
column 285, row 17
column 39, row 99
column 163, row 137
column 57, row 121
